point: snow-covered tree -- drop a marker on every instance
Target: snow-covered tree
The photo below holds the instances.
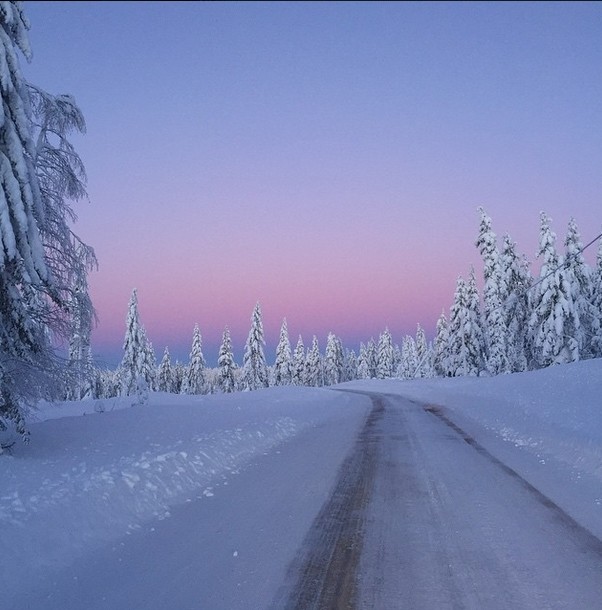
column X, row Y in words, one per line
column 441, row 347
column 255, row 370
column 194, row 382
column 579, row 277
column 283, row 367
column 554, row 325
column 350, row 365
column 34, row 296
column 137, row 361
column 363, row 363
column 384, row 355
column 165, row 377
column 409, row 358
column 333, row 360
column 424, row 355
column 298, row 366
column 465, row 336
column 596, row 340
column 517, row 281
column 313, row 365
column 225, row 364
column 495, row 332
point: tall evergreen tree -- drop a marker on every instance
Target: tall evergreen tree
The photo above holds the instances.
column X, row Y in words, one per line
column 283, row 367
column 580, row 285
column 333, row 360
column 225, row 364
column 495, row 332
column 313, row 365
column 516, row 305
column 165, row 377
column 424, row 354
column 299, row 363
column 465, row 337
column 135, row 361
column 195, row 374
column 363, row 363
column 255, row 370
column 350, row 366
column 384, row 355
column 596, row 340
column 441, row 347
column 409, row 358
column 554, row 325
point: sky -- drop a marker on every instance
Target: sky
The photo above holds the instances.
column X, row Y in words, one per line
column 325, row 159
column 225, row 487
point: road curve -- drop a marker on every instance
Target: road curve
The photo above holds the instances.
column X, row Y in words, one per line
column 422, row 517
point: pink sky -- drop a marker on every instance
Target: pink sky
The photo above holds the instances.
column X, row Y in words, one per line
column 324, row 159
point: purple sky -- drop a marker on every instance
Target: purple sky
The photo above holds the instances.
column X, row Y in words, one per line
column 324, row 159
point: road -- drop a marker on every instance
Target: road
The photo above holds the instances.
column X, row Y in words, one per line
column 423, row 517
column 404, row 511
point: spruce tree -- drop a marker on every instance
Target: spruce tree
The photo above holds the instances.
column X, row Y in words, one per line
column 363, row 364
column 135, row 362
column 283, row 368
column 165, row 380
column 424, row 354
column 495, row 332
column 596, row 340
column 441, row 347
column 255, row 370
column 298, row 371
column 313, row 365
column 384, row 355
column 195, row 374
column 516, row 305
column 580, row 285
column 554, row 325
column 333, row 360
column 225, row 364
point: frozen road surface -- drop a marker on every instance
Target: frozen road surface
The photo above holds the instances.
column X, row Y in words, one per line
column 392, row 507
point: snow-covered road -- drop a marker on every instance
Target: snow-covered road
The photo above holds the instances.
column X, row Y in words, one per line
column 384, row 507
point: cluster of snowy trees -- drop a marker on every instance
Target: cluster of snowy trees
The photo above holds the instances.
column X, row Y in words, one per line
column 519, row 322
column 139, row 372
column 522, row 322
column 43, row 264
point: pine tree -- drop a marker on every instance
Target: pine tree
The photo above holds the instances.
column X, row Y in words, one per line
column 363, row 365
column 553, row 325
column 384, row 355
column 313, row 365
column 299, row 363
column 333, row 360
column 225, row 364
column 283, row 367
column 424, row 354
column 195, row 374
column 165, row 381
column 465, row 335
column 580, row 285
column 441, row 348
column 516, row 305
column 409, row 358
column 495, row 332
column 135, row 363
column 596, row 340
column 255, row 370
column 350, row 366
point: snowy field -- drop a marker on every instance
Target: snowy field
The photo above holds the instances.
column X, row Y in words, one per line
column 89, row 480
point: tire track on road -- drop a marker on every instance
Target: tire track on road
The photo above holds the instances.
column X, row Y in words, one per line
column 324, row 574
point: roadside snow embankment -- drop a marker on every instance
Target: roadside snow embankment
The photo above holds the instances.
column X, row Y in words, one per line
column 90, row 478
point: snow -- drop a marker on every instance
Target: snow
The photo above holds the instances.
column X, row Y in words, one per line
column 99, row 473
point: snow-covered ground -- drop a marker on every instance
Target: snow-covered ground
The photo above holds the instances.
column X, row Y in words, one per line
column 88, row 479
